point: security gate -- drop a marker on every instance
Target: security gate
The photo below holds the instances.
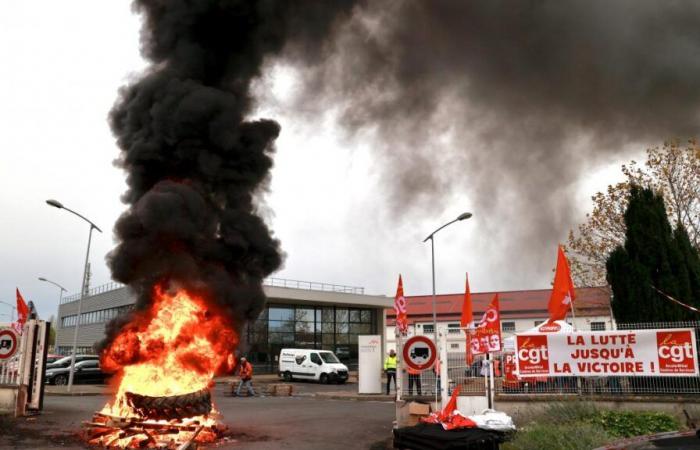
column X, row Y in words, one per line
column 22, row 366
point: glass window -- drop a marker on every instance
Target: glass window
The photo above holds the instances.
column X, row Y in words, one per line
column 354, row 315
column 538, row 322
column 366, row 315
column 328, row 327
column 328, row 339
column 304, row 327
column 329, row 358
column 454, row 346
column 597, row 326
column 280, row 326
column 341, row 315
column 360, row 328
column 428, row 328
column 342, row 328
column 328, row 315
column 508, row 326
column 277, row 313
column 305, row 314
column 316, row 359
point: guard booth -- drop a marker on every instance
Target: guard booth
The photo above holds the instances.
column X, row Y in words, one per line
column 22, row 367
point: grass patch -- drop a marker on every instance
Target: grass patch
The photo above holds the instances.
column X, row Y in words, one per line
column 572, row 436
column 582, row 426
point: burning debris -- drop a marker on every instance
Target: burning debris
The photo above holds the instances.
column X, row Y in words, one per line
column 191, row 244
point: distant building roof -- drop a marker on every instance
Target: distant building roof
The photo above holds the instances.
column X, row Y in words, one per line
column 590, row 301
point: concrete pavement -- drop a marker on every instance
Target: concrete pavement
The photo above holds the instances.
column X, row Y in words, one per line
column 300, row 422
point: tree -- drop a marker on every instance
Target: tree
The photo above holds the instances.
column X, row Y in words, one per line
column 654, row 258
column 673, row 171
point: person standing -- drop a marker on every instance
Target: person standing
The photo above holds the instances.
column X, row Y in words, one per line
column 246, row 373
column 390, row 370
column 414, row 378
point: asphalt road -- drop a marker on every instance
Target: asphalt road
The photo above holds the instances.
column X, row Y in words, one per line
column 300, row 422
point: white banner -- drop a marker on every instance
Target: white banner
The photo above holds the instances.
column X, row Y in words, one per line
column 669, row 352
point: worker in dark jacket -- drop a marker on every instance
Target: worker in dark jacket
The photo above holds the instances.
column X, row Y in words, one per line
column 390, row 370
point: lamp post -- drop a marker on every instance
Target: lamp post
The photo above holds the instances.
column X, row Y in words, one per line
column 57, row 204
column 12, row 317
column 463, row 216
column 60, row 298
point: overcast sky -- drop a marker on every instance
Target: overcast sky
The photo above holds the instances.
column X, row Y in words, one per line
column 61, row 66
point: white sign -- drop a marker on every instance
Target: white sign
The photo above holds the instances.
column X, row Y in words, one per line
column 669, row 352
column 369, row 373
column 8, row 343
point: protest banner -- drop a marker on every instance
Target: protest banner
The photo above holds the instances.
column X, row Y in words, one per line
column 669, row 352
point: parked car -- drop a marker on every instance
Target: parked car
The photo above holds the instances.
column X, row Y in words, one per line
column 65, row 361
column 87, row 371
column 306, row 364
column 50, row 359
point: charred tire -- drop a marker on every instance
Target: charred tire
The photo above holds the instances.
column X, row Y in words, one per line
column 324, row 378
column 60, row 380
column 171, row 407
column 287, row 376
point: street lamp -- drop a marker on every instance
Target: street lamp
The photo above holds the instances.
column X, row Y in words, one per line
column 60, row 298
column 59, row 205
column 13, row 309
column 463, row 216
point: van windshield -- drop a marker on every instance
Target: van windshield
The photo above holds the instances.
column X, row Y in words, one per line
column 329, row 358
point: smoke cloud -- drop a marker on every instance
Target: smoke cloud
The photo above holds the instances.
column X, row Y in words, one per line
column 505, row 106
column 195, row 163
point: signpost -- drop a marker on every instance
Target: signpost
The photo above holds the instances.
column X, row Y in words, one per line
column 419, row 352
column 8, row 343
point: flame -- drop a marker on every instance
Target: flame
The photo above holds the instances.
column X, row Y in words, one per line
column 175, row 347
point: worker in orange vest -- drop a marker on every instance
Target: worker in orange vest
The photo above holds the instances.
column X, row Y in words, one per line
column 414, row 378
column 246, row 373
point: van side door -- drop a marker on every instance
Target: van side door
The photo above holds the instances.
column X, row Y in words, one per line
column 316, row 364
column 302, row 365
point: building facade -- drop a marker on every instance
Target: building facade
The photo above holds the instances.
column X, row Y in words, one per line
column 520, row 311
column 298, row 315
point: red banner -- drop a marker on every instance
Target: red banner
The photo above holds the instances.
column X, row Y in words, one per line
column 400, row 309
column 487, row 336
column 622, row 353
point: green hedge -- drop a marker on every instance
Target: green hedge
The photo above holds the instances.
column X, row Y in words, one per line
column 632, row 423
column 581, row 426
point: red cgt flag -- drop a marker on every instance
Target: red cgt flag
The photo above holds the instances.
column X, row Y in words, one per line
column 467, row 320
column 400, row 309
column 563, row 293
column 22, row 311
column 487, row 336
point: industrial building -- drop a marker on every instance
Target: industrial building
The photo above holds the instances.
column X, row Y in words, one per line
column 298, row 314
column 520, row 311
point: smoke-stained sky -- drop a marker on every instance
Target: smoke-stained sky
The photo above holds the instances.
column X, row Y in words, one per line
column 412, row 113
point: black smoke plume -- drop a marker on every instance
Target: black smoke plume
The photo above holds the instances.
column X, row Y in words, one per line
column 194, row 161
column 504, row 106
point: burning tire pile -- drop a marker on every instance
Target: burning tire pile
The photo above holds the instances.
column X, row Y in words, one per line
column 172, row 422
column 171, row 407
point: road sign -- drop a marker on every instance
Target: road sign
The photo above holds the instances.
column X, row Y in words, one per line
column 8, row 343
column 419, row 352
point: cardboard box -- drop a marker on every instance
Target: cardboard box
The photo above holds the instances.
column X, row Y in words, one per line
column 418, row 409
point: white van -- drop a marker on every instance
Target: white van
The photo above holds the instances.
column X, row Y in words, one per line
column 307, row 364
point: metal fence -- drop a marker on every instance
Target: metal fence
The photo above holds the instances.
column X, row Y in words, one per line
column 471, row 378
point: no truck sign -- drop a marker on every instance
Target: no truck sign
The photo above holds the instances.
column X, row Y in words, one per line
column 669, row 352
column 8, row 343
column 419, row 353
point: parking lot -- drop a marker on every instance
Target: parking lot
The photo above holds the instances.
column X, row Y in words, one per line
column 303, row 421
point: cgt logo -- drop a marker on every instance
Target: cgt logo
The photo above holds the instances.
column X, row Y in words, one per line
column 533, row 355
column 676, row 351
